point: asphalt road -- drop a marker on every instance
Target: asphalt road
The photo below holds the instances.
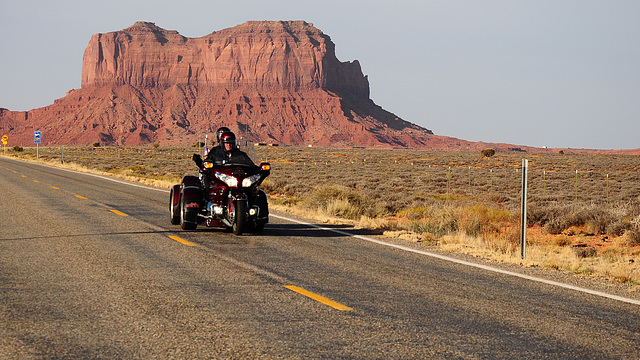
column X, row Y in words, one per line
column 91, row 268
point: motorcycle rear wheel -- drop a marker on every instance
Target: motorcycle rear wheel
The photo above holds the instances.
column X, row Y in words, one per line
column 175, row 217
column 184, row 223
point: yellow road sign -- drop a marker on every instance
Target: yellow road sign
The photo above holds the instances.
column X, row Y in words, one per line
column 5, row 138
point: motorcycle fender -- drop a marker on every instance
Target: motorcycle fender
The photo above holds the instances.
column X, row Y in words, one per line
column 175, row 198
column 240, row 197
column 263, row 205
column 190, row 180
column 175, row 195
column 192, row 197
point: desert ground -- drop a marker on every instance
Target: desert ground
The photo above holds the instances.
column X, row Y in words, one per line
column 583, row 213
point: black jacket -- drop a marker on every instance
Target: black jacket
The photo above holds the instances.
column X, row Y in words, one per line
column 218, row 156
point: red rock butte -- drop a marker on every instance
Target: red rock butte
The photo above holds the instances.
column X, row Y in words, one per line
column 266, row 56
column 269, row 81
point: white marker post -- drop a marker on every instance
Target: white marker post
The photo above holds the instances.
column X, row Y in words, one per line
column 523, row 212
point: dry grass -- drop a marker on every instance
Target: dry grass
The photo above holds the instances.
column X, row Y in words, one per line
column 456, row 200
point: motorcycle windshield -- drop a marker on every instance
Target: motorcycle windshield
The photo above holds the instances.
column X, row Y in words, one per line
column 249, row 149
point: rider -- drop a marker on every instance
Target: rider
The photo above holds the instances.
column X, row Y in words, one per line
column 216, row 152
column 231, row 153
column 227, row 152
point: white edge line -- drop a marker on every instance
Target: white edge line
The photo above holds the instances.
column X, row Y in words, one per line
column 467, row 263
column 400, row 247
column 94, row 175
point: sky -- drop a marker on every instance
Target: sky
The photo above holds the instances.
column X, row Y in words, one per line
column 559, row 73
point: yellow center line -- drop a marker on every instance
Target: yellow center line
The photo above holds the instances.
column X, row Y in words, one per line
column 80, row 197
column 23, row 175
column 319, row 298
column 119, row 212
column 181, row 240
column 36, row 181
column 57, row 188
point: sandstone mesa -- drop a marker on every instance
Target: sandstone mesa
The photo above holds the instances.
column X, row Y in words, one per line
column 269, row 81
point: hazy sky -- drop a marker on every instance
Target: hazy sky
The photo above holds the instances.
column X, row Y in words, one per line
column 560, row 73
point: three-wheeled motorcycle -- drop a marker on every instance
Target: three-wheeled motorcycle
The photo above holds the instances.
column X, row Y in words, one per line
column 224, row 196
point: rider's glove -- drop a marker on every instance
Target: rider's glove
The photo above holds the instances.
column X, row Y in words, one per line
column 197, row 159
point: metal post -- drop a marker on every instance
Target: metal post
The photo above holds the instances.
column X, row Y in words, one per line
column 62, row 155
column 607, row 189
column 448, row 181
column 576, row 199
column 490, row 180
column 523, row 213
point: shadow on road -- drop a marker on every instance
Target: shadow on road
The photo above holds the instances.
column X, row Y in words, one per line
column 317, row 230
column 61, row 236
column 290, row 229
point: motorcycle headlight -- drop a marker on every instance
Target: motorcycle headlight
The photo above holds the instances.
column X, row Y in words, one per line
column 227, row 179
column 248, row 181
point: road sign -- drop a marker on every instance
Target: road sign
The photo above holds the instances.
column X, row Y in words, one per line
column 5, row 138
column 37, row 137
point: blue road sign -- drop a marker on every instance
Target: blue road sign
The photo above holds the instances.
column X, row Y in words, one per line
column 37, row 137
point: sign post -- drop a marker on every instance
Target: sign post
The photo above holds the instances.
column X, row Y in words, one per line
column 37, row 138
column 4, row 143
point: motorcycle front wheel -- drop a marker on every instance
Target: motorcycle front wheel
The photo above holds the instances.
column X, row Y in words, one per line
column 240, row 217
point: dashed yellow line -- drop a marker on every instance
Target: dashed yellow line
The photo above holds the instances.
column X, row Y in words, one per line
column 319, row 298
column 36, row 181
column 119, row 212
column 23, row 175
column 80, row 197
column 57, row 188
column 181, row 240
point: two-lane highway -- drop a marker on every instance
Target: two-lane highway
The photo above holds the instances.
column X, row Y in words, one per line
column 91, row 268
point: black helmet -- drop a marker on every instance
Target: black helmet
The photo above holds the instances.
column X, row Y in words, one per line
column 220, row 131
column 228, row 137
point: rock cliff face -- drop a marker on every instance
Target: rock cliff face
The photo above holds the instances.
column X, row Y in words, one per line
column 270, row 81
column 259, row 55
